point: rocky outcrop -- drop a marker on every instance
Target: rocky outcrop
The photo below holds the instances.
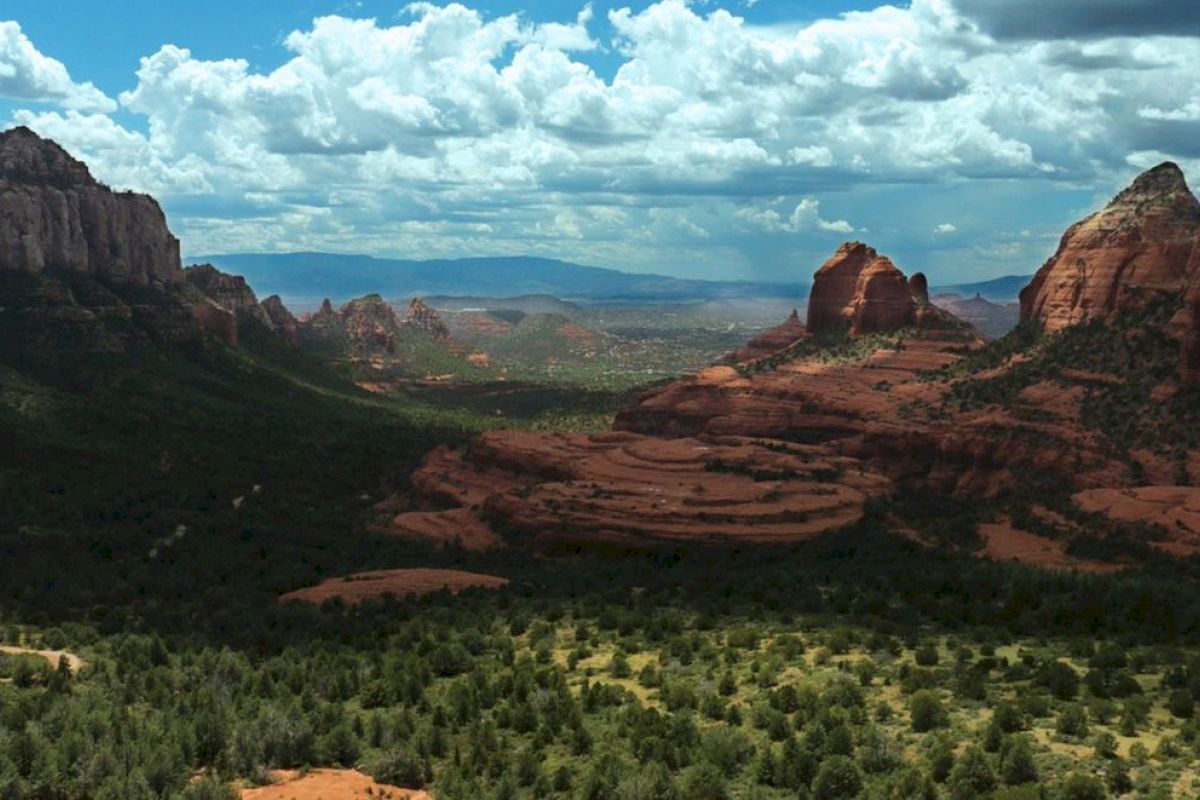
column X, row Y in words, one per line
column 860, row 291
column 634, row 490
column 1130, row 253
column 1188, row 323
column 424, row 319
column 476, row 326
column 228, row 291
column 835, row 285
column 882, row 301
column 281, row 320
column 56, row 218
column 216, row 320
column 918, row 289
column 771, row 341
column 371, row 325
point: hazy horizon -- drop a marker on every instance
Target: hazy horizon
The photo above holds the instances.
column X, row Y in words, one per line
column 738, row 140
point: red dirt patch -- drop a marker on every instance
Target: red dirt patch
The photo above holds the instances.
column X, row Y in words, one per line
column 328, row 784
column 1006, row 543
column 375, row 585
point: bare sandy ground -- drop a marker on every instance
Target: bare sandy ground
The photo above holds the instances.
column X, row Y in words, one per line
column 328, row 784
column 52, row 656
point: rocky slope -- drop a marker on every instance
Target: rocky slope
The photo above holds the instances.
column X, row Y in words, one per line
column 1137, row 249
column 56, row 218
column 1185, row 325
column 772, row 340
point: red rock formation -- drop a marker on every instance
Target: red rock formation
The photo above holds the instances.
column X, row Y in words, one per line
column 216, row 321
column 772, row 341
column 56, row 218
column 882, row 409
column 370, row 325
column 424, row 319
column 228, row 291
column 882, row 301
column 1131, row 252
column 282, row 321
column 636, row 490
column 835, row 285
column 860, row 291
column 475, row 325
column 1185, row 325
column 918, row 288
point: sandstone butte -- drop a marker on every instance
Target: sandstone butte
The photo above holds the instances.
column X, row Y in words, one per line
column 370, row 325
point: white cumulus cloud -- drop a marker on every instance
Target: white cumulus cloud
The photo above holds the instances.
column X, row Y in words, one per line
column 27, row 74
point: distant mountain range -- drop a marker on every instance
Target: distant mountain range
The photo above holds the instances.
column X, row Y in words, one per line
column 304, row 279
column 998, row 290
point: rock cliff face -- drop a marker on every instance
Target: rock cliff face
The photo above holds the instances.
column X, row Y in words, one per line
column 231, row 296
column 421, row 317
column 56, row 218
column 882, row 301
column 282, row 321
column 228, row 291
column 1186, row 325
column 1135, row 250
column 835, row 285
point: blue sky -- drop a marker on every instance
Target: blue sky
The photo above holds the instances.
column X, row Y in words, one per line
column 711, row 139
